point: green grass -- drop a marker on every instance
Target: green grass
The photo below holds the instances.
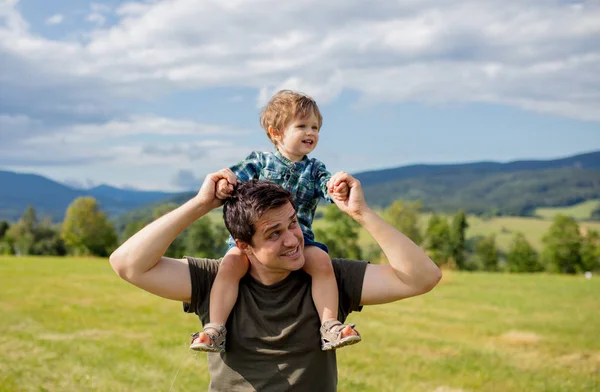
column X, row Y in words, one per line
column 72, row 325
column 579, row 211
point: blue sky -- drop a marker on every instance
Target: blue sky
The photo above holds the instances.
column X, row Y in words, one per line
column 156, row 94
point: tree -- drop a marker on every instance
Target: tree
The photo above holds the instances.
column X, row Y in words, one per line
column 437, row 238
column 4, row 225
column 341, row 235
column 457, row 238
column 487, row 253
column 22, row 235
column 590, row 251
column 86, row 230
column 562, row 245
column 404, row 216
column 203, row 239
column 522, row 257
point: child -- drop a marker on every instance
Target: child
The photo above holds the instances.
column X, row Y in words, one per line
column 292, row 122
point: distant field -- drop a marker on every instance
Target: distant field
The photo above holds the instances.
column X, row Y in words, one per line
column 503, row 227
column 72, row 325
column 579, row 211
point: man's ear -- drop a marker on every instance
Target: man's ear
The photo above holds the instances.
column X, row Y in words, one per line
column 244, row 247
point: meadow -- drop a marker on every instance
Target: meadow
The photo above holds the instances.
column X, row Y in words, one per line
column 505, row 227
column 70, row 324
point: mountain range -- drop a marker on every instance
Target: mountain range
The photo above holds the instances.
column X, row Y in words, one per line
column 51, row 198
column 512, row 188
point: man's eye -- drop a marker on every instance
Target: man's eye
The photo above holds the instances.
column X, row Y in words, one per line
column 293, row 224
column 274, row 234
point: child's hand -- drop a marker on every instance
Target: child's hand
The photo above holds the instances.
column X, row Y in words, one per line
column 224, row 189
column 338, row 191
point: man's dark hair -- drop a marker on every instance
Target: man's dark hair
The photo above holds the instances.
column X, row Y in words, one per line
column 248, row 202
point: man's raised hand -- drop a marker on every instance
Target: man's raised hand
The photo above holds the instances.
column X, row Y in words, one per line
column 354, row 203
column 209, row 195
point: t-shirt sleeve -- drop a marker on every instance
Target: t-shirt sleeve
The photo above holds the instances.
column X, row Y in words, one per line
column 250, row 167
column 350, row 275
column 202, row 274
column 321, row 176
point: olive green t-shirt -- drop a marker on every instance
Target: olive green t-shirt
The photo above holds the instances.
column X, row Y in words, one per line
column 273, row 341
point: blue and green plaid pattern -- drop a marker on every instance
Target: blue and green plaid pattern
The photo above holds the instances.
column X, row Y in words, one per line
column 306, row 180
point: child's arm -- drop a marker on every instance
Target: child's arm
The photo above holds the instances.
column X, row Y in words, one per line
column 321, row 177
column 249, row 168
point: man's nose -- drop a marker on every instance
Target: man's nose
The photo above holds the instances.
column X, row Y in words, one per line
column 290, row 238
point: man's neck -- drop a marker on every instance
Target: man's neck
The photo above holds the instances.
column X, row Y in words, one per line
column 267, row 277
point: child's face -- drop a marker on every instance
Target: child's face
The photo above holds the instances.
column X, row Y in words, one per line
column 299, row 138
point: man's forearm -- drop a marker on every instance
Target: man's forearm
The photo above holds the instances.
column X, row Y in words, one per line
column 143, row 250
column 409, row 261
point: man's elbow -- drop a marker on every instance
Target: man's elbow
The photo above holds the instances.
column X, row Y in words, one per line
column 119, row 264
column 431, row 278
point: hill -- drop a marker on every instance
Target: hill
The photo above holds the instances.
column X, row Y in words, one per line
column 492, row 193
column 492, row 188
column 51, row 198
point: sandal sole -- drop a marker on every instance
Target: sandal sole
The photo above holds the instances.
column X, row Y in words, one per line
column 347, row 341
column 205, row 348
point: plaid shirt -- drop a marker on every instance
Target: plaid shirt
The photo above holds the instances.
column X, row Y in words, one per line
column 306, row 180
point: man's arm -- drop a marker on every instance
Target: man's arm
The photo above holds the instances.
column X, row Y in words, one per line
column 410, row 272
column 140, row 261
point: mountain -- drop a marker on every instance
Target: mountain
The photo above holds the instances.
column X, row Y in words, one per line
column 582, row 161
column 512, row 188
column 51, row 198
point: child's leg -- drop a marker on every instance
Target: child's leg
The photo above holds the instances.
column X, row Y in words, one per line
column 324, row 286
column 223, row 295
column 334, row 334
column 224, row 291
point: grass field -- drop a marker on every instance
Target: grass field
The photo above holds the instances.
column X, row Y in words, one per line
column 579, row 211
column 72, row 325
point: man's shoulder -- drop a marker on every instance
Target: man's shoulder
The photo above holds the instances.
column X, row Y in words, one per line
column 348, row 266
column 203, row 263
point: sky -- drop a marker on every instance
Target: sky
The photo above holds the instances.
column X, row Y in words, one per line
column 156, row 94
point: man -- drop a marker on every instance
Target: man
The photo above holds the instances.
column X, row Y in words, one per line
column 273, row 342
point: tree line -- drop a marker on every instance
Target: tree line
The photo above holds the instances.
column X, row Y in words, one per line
column 87, row 231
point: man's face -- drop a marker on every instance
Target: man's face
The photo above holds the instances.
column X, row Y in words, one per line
column 278, row 245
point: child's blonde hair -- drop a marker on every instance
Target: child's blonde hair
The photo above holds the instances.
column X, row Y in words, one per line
column 285, row 106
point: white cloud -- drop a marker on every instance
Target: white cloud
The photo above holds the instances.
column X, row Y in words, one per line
column 96, row 18
column 55, row 19
column 98, row 13
column 529, row 54
column 134, row 141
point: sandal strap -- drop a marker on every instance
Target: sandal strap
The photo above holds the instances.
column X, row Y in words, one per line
column 216, row 333
column 332, row 329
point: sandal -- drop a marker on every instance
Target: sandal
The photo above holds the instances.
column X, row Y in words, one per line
column 331, row 335
column 216, row 333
